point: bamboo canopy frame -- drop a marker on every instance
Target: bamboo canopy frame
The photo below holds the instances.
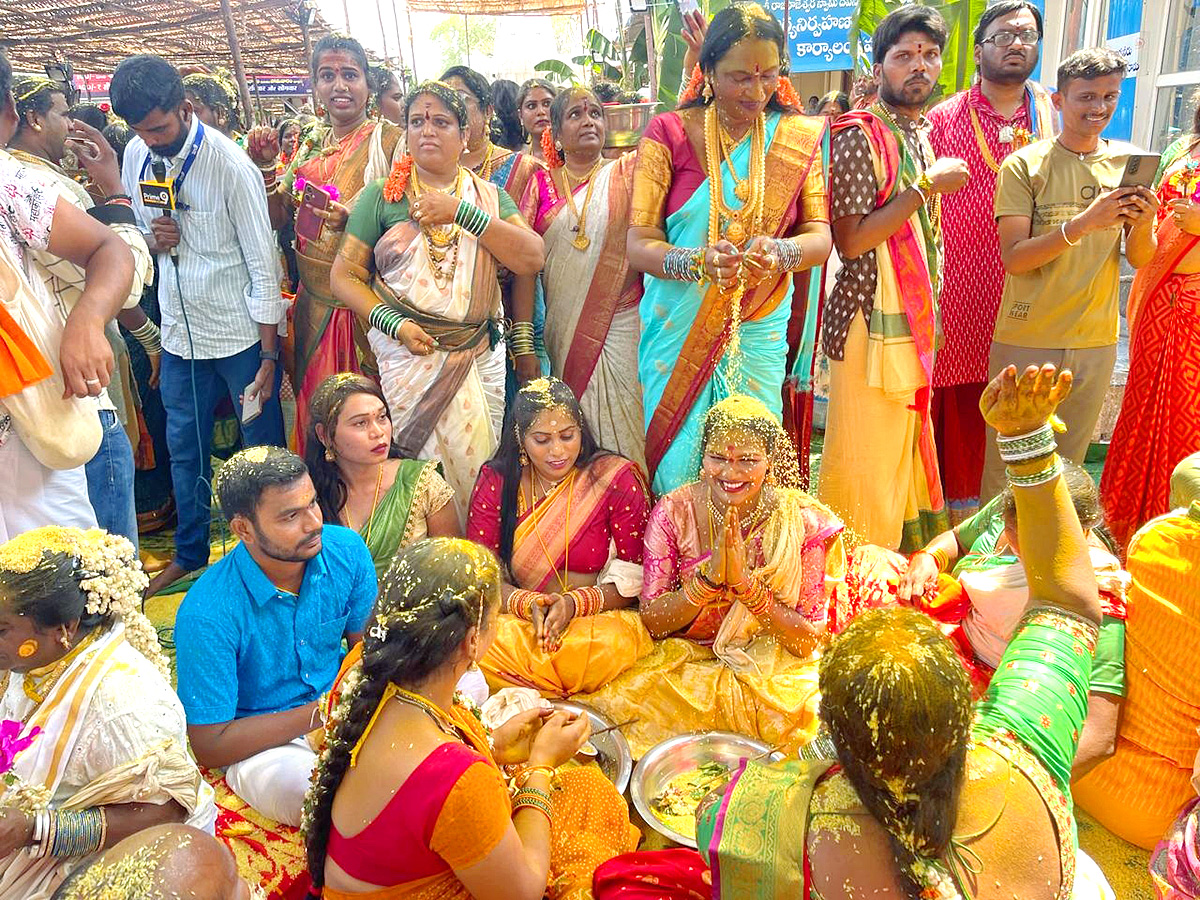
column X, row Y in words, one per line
column 96, row 36
column 499, row 7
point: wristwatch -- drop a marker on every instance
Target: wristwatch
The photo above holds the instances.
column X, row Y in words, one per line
column 272, row 355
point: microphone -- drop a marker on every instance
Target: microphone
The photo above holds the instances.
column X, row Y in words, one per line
column 159, row 167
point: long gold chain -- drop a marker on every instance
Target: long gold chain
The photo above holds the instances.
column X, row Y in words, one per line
column 536, row 517
column 374, row 505
column 441, row 241
column 582, row 241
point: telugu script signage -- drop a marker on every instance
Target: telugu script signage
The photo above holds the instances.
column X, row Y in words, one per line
column 818, row 33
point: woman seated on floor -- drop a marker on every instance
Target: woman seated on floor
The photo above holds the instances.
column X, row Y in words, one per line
column 105, row 741
column 361, row 480
column 988, row 591
column 740, row 567
column 409, row 800
column 568, row 520
column 934, row 796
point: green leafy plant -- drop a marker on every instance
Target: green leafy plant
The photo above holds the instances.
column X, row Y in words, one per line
column 958, row 59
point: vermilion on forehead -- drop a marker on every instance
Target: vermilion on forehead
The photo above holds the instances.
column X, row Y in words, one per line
column 338, row 59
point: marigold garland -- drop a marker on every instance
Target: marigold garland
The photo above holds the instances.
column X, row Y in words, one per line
column 397, row 181
column 695, row 84
column 785, row 93
column 553, row 160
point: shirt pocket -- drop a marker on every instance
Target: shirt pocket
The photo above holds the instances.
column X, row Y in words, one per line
column 208, row 233
column 327, row 636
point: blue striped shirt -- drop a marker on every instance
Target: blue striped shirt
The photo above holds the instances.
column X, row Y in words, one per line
column 228, row 260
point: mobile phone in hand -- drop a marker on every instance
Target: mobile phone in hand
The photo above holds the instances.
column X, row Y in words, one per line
column 252, row 404
column 1140, row 169
column 308, row 224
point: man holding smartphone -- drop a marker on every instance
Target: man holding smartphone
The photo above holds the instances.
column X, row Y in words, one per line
column 218, row 286
column 1061, row 212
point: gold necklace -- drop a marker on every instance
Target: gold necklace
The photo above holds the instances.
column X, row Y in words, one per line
column 38, row 683
column 374, row 504
column 741, row 187
column 734, row 225
column 441, row 242
column 484, row 169
column 536, row 516
column 431, row 709
column 582, row 241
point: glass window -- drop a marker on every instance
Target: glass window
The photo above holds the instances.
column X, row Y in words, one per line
column 1182, row 48
column 1173, row 115
column 1075, row 23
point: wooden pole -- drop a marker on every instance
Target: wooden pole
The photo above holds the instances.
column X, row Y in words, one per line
column 346, row 13
column 399, row 46
column 239, row 70
column 651, row 54
column 382, row 32
column 467, row 38
column 412, row 43
column 307, row 54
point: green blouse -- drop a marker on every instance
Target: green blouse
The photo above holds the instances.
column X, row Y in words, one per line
column 372, row 215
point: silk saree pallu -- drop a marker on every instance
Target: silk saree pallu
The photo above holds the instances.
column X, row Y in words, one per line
column 595, row 649
column 449, row 404
column 686, row 330
column 399, row 518
column 898, row 363
column 327, row 337
column 1159, row 422
column 592, row 324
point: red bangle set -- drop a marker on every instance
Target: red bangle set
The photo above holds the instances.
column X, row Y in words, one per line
column 520, row 604
column 757, row 597
column 699, row 592
column 588, row 601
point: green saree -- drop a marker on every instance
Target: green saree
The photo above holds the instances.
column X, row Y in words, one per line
column 399, row 518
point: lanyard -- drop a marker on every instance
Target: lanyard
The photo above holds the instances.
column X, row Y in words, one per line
column 185, row 168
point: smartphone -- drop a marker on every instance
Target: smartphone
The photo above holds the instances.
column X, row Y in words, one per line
column 251, row 403
column 1140, row 169
column 308, row 224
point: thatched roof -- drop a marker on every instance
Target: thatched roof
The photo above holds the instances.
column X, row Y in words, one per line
column 498, row 7
column 95, row 36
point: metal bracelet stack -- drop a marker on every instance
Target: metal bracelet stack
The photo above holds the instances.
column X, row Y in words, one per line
column 471, row 218
column 1053, row 469
column 387, row 319
column 68, row 833
column 684, row 264
column 791, row 254
column 149, row 336
column 1024, row 447
column 520, row 339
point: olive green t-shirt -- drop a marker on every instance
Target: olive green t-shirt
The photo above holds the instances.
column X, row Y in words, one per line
column 1070, row 302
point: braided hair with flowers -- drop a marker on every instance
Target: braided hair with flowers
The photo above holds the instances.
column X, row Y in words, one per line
column 433, row 594
column 60, row 575
column 396, row 182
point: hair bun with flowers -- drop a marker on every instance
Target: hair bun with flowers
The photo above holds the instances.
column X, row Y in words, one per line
column 695, row 85
column 109, row 574
column 553, row 159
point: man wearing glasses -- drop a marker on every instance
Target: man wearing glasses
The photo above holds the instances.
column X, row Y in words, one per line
column 1000, row 113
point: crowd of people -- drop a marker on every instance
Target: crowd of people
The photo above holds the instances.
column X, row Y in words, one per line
column 515, row 420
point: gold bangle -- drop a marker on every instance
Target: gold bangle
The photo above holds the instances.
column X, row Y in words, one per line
column 524, row 773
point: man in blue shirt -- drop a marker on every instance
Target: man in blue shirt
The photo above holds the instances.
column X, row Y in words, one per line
column 259, row 635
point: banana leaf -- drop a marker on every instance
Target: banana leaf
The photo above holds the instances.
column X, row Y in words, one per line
column 958, row 59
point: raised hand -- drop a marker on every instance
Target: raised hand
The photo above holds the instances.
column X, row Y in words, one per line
column 1015, row 404
column 262, row 144
column 695, row 26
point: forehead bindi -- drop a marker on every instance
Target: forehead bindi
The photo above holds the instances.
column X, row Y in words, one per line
column 338, row 61
column 1021, row 20
column 750, row 57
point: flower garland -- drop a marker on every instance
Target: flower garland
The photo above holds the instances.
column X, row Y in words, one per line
column 694, row 86
column 110, row 575
column 550, row 152
column 785, row 92
column 397, row 180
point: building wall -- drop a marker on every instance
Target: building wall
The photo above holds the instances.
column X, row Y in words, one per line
column 1169, row 40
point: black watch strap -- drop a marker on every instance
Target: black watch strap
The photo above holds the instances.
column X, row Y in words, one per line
column 272, row 355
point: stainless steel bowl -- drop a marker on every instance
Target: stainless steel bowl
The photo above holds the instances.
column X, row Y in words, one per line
column 613, row 756
column 625, row 122
column 677, row 755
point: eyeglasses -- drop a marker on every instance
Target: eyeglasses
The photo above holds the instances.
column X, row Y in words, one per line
column 1029, row 37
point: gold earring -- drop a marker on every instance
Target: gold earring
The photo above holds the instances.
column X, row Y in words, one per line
column 330, row 456
column 558, row 146
column 27, row 649
column 65, row 641
column 523, row 459
column 708, row 90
